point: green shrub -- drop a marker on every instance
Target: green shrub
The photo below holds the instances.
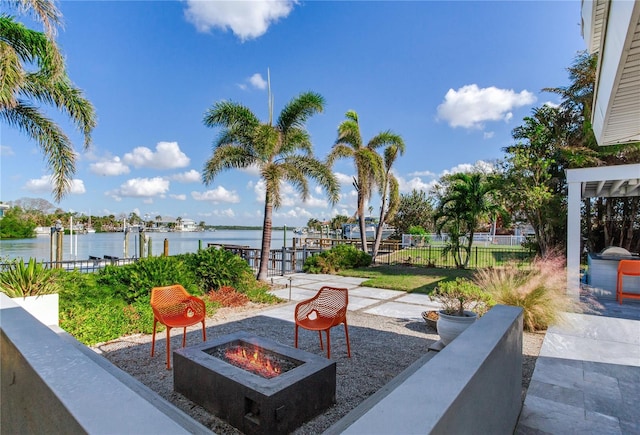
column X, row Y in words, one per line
column 31, row 279
column 136, row 280
column 460, row 295
column 337, row 258
column 539, row 290
column 214, row 268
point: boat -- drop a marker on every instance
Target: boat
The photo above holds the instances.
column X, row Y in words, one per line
column 89, row 229
column 42, row 231
column 352, row 231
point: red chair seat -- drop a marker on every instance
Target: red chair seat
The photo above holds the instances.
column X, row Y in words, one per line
column 627, row 268
column 328, row 308
column 174, row 307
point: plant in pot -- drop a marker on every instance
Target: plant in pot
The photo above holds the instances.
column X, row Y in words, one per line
column 462, row 303
column 34, row 288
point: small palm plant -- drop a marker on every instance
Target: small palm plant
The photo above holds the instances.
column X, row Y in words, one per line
column 31, row 279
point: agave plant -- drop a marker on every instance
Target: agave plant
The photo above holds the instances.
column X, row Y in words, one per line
column 31, row 279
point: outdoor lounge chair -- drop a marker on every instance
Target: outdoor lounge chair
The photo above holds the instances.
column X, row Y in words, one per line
column 328, row 308
column 174, row 307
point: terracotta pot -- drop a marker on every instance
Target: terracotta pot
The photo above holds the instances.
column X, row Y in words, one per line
column 450, row 326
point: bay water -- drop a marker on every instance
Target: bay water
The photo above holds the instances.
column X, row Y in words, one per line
column 81, row 246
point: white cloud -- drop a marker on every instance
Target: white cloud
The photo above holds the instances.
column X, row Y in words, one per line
column 141, row 188
column 224, row 213
column 181, row 197
column 416, row 183
column 257, row 81
column 479, row 166
column 421, row 174
column 251, row 170
column 470, row 106
column 316, row 202
column 488, row 134
column 109, row 167
column 191, row 176
column 6, row 151
column 344, row 179
column 246, row 19
column 551, row 104
column 217, row 195
column 44, row 184
column 167, row 156
column 294, row 213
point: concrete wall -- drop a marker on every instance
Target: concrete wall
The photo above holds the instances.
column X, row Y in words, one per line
column 472, row 386
column 49, row 383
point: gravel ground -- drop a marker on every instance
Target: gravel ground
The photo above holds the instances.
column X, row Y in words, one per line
column 381, row 348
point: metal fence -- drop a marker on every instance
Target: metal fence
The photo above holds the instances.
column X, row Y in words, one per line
column 439, row 256
column 93, row 264
column 479, row 239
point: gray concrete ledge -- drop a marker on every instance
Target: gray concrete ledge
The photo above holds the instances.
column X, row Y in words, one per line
column 50, row 383
column 472, row 386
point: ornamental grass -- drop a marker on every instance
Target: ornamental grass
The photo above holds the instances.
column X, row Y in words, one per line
column 539, row 289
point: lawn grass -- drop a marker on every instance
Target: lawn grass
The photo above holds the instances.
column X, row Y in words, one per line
column 432, row 256
column 409, row 279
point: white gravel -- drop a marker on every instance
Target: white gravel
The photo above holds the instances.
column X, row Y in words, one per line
column 381, row 348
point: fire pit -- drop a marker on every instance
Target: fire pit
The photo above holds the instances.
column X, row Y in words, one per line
column 255, row 384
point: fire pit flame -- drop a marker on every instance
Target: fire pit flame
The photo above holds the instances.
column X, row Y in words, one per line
column 257, row 362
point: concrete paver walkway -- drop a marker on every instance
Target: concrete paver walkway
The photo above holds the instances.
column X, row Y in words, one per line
column 587, row 377
column 381, row 302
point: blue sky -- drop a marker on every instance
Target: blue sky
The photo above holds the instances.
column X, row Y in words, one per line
column 453, row 78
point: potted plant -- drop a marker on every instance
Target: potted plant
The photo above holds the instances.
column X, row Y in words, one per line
column 462, row 303
column 34, row 288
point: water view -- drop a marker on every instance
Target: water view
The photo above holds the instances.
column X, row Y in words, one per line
column 112, row 244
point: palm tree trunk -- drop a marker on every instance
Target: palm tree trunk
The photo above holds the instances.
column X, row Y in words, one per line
column 266, row 239
column 363, row 233
column 376, row 244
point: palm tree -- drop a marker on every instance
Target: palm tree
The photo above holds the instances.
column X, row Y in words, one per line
column 369, row 164
column 389, row 190
column 21, row 90
column 467, row 200
column 282, row 152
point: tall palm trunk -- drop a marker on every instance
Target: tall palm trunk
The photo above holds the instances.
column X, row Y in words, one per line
column 363, row 232
column 376, row 244
column 266, row 239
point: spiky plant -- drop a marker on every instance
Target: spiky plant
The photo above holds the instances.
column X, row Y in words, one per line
column 31, row 279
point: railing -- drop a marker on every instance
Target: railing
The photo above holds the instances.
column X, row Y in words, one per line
column 291, row 259
column 479, row 239
column 439, row 256
column 93, row 264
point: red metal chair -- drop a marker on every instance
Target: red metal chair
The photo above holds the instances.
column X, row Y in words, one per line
column 328, row 308
column 627, row 268
column 174, row 307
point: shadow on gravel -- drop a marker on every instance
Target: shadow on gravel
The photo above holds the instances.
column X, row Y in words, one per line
column 380, row 350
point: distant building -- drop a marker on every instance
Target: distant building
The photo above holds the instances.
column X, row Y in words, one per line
column 186, row 225
column 3, row 207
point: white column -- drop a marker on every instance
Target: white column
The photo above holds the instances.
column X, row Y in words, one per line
column 573, row 239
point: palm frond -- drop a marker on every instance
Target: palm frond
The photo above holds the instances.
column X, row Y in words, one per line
column 296, row 113
column 55, row 144
column 227, row 156
column 44, row 11
column 64, row 96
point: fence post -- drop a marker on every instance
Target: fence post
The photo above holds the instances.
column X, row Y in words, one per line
column 284, row 254
column 476, row 256
column 166, row 247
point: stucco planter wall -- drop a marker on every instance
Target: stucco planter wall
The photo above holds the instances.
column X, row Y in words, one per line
column 44, row 308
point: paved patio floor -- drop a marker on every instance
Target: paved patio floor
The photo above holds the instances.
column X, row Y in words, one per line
column 587, row 377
